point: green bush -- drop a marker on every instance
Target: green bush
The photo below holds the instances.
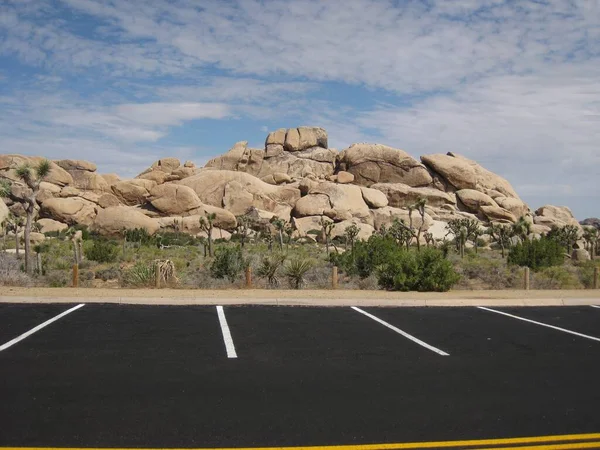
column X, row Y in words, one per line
column 269, row 268
column 424, row 271
column 229, row 263
column 557, row 278
column 102, row 251
column 586, row 273
column 140, row 275
column 367, row 256
column 537, row 253
column 110, row 273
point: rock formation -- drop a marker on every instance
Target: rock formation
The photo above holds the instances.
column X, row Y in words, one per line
column 296, row 176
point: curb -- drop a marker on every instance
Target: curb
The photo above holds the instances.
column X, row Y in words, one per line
column 310, row 301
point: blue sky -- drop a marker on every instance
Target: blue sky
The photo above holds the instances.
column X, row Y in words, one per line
column 514, row 85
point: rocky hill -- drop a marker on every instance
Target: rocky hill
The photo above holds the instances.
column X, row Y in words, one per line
column 296, row 176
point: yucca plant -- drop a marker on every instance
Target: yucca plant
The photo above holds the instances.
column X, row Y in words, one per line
column 140, row 275
column 269, row 269
column 296, row 270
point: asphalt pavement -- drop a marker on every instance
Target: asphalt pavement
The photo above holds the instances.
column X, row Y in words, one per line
column 264, row 376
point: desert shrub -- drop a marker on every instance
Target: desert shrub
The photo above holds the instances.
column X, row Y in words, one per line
column 426, row 270
column 537, row 253
column 10, row 272
column 140, row 275
column 366, row 256
column 229, row 263
column 58, row 279
column 487, row 270
column 586, row 273
column 102, row 251
column 296, row 270
column 556, row 278
column 269, row 268
column 110, row 273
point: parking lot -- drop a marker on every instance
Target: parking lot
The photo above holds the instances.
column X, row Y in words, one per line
column 248, row 376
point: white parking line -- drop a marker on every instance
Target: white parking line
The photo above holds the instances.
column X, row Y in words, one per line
column 226, row 333
column 595, row 306
column 564, row 330
column 39, row 327
column 403, row 333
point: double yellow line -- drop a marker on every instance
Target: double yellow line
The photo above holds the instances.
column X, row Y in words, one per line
column 558, row 442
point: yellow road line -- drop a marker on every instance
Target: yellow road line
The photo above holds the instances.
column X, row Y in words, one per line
column 574, row 445
column 407, row 445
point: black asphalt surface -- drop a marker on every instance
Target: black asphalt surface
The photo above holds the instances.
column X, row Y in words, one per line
column 159, row 376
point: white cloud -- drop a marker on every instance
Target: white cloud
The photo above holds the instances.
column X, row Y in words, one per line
column 512, row 84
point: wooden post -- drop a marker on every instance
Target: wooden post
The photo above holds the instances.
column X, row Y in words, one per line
column 526, row 279
column 75, row 275
column 157, row 275
column 596, row 277
column 334, row 277
column 248, row 277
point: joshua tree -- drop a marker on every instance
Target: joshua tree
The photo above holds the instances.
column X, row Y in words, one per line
column 429, row 240
column 15, row 224
column 521, row 228
column 206, row 224
column 243, row 228
column 32, row 177
column 463, row 230
column 402, row 233
column 420, row 207
column 351, row 232
column 567, row 236
column 289, row 231
column 326, row 229
column 279, row 225
column 590, row 236
column 501, row 235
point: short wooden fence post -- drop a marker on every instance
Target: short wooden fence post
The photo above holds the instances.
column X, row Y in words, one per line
column 334, row 277
column 526, row 279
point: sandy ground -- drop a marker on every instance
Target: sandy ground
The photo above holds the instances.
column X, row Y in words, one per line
column 300, row 297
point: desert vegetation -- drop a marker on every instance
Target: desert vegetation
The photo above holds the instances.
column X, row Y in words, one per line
column 398, row 257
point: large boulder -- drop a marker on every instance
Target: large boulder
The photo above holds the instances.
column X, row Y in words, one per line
column 301, row 138
column 309, row 226
column 463, row 173
column 376, row 163
column 474, row 200
column 238, row 191
column 72, row 210
column 51, row 225
column 239, row 158
column 517, row 207
column 224, row 220
column 337, row 201
column 580, row 255
column 555, row 216
column 76, row 164
column 174, row 199
column 402, row 196
column 4, row 211
column 156, row 175
column 166, row 164
column 364, row 230
column 89, row 181
column 591, row 221
column 111, row 178
column 497, row 214
column 374, row 198
column 113, row 220
column 9, row 163
column 315, row 162
column 387, row 215
column 133, row 192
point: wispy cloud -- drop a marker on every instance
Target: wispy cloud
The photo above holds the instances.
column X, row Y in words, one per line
column 513, row 84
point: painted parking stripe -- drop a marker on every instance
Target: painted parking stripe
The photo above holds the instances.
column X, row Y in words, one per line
column 39, row 327
column 595, row 306
column 574, row 441
column 226, row 333
column 564, row 330
column 403, row 333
